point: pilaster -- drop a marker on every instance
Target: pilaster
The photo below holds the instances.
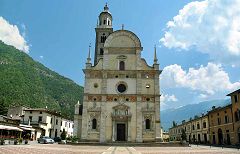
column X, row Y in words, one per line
column 113, row 130
column 157, row 108
column 103, row 123
column 129, row 131
column 84, row 121
column 139, row 120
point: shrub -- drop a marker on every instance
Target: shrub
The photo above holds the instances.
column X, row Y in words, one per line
column 74, row 139
column 183, row 135
column 2, row 141
column 63, row 135
column 20, row 140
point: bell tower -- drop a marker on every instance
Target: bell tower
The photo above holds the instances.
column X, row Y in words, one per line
column 103, row 30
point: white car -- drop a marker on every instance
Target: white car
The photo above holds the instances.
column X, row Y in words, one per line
column 45, row 140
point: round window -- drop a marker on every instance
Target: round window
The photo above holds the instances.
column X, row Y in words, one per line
column 95, row 85
column 121, row 88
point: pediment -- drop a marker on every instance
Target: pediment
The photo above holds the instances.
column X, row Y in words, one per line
column 122, row 57
column 121, row 107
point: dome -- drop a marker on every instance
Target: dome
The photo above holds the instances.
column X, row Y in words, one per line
column 123, row 39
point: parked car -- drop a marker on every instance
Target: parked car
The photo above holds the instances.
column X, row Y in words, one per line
column 45, row 140
column 57, row 139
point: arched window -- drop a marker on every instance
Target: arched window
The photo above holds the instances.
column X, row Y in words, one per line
column 94, row 123
column 103, row 39
column 198, row 126
column 121, row 65
column 104, row 22
column 204, row 124
column 147, row 123
column 101, row 51
column 108, row 22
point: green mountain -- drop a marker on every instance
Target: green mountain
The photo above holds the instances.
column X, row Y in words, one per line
column 24, row 81
column 188, row 111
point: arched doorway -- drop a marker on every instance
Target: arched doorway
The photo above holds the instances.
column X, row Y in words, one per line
column 220, row 136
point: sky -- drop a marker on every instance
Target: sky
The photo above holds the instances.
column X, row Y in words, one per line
column 198, row 42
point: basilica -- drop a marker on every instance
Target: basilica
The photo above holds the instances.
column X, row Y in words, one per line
column 121, row 91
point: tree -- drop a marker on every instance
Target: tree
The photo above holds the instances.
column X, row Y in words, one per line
column 63, row 135
column 196, row 117
column 174, row 124
column 183, row 135
column 3, row 108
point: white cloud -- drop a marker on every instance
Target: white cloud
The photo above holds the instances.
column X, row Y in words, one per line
column 203, row 96
column 10, row 35
column 168, row 98
column 210, row 26
column 165, row 98
column 41, row 57
column 209, row 79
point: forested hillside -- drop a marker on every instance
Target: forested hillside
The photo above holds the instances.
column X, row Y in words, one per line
column 24, row 81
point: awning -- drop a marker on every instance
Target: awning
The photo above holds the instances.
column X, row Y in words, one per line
column 25, row 128
column 3, row 127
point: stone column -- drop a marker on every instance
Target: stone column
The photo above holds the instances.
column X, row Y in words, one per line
column 103, row 109
column 129, row 130
column 139, row 120
column 157, row 119
column 157, row 109
column 139, row 109
column 84, row 120
column 113, row 130
column 85, row 107
column 103, row 122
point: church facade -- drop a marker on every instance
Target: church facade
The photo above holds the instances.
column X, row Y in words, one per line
column 121, row 92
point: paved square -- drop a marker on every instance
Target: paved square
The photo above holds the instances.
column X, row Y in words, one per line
column 86, row 149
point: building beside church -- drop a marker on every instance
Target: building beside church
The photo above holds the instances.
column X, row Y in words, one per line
column 41, row 120
column 221, row 125
column 121, row 92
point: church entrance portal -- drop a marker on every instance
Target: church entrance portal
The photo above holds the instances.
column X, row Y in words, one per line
column 121, row 128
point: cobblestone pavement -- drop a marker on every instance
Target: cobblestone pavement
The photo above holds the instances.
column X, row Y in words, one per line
column 51, row 149
column 85, row 149
column 187, row 150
